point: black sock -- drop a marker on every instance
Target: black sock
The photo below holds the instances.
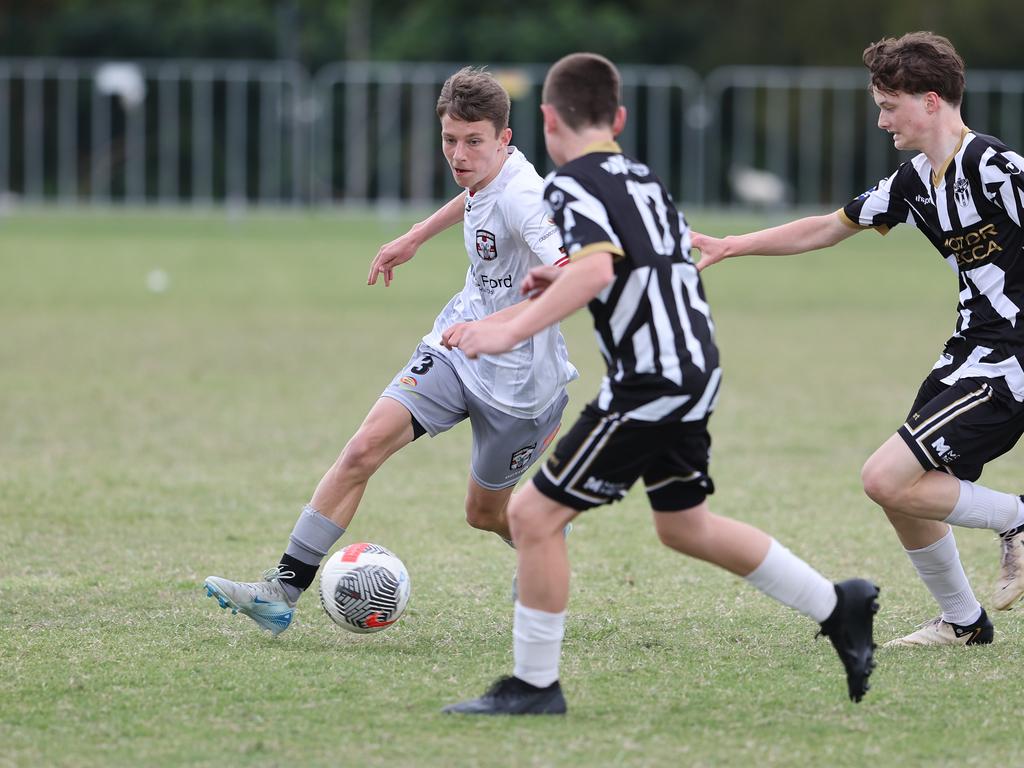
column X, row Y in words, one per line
column 304, row 573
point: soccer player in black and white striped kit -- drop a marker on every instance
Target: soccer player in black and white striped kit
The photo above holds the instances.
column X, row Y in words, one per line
column 629, row 251
column 964, row 191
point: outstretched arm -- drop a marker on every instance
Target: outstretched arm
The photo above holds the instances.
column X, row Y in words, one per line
column 800, row 236
column 403, row 248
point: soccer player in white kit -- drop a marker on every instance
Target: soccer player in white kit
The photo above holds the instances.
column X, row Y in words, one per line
column 514, row 401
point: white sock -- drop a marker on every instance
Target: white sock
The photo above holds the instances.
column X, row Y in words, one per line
column 785, row 577
column 981, row 507
column 537, row 644
column 940, row 569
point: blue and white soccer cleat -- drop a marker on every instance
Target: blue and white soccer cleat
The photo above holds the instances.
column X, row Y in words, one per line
column 265, row 602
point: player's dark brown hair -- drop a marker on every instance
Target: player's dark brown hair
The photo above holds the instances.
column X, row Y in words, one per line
column 471, row 95
column 584, row 90
column 916, row 63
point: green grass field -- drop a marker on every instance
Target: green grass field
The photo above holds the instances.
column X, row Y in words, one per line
column 150, row 439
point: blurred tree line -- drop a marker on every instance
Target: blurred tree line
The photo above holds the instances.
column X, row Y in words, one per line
column 702, row 34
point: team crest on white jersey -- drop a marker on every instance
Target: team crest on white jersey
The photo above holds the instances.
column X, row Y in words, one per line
column 486, row 247
column 962, row 192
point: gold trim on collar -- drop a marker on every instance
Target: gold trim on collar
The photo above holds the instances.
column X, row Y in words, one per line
column 602, row 146
column 938, row 175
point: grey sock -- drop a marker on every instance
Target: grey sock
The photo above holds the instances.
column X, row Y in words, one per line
column 312, row 537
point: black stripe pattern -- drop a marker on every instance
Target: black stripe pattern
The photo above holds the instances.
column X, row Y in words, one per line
column 972, row 214
column 653, row 323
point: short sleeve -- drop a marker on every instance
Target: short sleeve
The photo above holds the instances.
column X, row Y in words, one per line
column 1002, row 177
column 527, row 215
column 581, row 217
column 882, row 207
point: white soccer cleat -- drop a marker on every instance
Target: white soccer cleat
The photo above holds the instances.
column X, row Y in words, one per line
column 939, row 632
column 265, row 602
column 1010, row 584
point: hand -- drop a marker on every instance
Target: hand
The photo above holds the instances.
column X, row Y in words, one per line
column 480, row 338
column 390, row 255
column 539, row 279
column 453, row 335
column 712, row 249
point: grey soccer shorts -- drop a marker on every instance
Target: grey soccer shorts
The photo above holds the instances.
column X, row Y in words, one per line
column 959, row 428
column 504, row 446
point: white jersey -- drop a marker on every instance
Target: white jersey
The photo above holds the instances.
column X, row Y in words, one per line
column 507, row 232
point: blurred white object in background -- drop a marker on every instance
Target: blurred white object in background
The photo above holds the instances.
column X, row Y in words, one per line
column 123, row 80
column 158, row 281
column 753, row 186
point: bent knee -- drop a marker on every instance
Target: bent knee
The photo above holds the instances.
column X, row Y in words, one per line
column 688, row 537
column 482, row 516
column 361, row 457
column 532, row 523
column 880, row 485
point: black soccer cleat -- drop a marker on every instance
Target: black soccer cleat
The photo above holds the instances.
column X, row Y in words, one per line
column 849, row 629
column 512, row 696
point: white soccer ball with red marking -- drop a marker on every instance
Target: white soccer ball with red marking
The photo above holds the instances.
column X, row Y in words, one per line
column 364, row 588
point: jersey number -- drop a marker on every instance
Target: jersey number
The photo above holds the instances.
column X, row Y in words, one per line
column 647, row 196
column 425, row 365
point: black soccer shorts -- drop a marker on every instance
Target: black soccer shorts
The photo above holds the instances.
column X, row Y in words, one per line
column 603, row 455
column 961, row 427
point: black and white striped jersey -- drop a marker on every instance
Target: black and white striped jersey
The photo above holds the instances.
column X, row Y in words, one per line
column 652, row 322
column 971, row 210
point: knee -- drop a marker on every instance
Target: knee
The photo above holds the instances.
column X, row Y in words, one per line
column 880, row 485
column 360, row 459
column 482, row 516
column 518, row 519
column 675, row 540
column 687, row 539
column 526, row 523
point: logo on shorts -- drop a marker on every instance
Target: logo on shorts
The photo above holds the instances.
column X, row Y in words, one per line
column 408, row 380
column 521, row 458
column 604, row 488
column 943, row 451
column 486, row 247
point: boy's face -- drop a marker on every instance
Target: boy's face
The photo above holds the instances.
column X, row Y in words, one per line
column 903, row 115
column 474, row 151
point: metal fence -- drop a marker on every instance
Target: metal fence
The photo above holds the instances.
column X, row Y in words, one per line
column 238, row 133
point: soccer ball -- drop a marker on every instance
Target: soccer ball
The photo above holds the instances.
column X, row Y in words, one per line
column 364, row 588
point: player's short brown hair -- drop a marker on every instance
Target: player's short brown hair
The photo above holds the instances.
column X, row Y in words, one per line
column 916, row 63
column 584, row 90
column 473, row 94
